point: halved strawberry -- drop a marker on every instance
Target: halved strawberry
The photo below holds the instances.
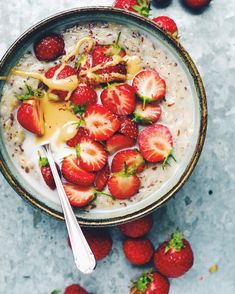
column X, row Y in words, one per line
column 84, row 95
column 79, row 196
column 92, row 155
column 167, row 24
column 100, row 55
column 123, row 186
column 102, row 178
column 149, row 86
column 30, row 116
column 148, row 114
column 119, row 98
column 131, row 159
column 76, row 139
column 156, row 143
column 74, row 173
column 100, row 122
column 49, row 47
column 66, row 71
column 104, row 53
column 128, row 127
column 118, row 142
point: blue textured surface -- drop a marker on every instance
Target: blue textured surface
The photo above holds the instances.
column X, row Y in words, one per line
column 34, row 256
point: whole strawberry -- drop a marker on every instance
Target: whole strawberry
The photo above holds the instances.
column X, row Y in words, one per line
column 100, row 242
column 150, row 283
column 137, row 228
column 75, row 289
column 49, row 47
column 84, row 95
column 47, row 173
column 139, row 6
column 138, row 251
column 174, row 257
column 128, row 127
column 162, row 3
column 196, row 4
column 167, row 24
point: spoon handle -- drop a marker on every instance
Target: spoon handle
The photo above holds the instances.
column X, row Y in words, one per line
column 83, row 256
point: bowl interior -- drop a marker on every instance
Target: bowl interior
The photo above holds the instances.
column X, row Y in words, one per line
column 68, row 19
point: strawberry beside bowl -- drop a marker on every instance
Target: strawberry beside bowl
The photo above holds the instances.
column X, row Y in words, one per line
column 160, row 108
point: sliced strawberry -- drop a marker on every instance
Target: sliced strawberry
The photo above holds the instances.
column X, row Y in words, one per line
column 118, row 142
column 30, row 116
column 123, row 186
column 84, row 95
column 100, row 122
column 130, row 159
column 49, row 47
column 66, row 71
column 167, row 24
column 74, row 173
column 76, row 139
column 128, row 127
column 156, row 143
column 92, row 155
column 149, row 86
column 148, row 114
column 120, row 99
column 79, row 195
column 102, row 178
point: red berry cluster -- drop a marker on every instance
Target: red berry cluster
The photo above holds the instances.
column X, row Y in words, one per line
column 172, row 259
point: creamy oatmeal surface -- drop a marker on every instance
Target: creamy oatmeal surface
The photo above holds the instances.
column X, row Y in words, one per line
column 177, row 110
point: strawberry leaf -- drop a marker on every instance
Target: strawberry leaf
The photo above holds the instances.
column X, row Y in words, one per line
column 43, row 161
column 30, row 93
column 78, row 109
column 80, row 60
column 142, row 7
column 176, row 242
column 56, row 291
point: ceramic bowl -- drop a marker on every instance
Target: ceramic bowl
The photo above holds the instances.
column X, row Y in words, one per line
column 70, row 18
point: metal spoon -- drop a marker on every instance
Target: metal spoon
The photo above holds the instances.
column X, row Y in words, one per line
column 83, row 256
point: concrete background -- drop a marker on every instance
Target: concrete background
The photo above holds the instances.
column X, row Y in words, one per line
column 34, row 256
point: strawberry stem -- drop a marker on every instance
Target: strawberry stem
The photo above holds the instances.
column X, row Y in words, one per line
column 80, row 60
column 78, row 150
column 30, row 93
column 176, row 242
column 142, row 282
column 103, row 193
column 43, row 161
column 167, row 159
column 118, row 39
